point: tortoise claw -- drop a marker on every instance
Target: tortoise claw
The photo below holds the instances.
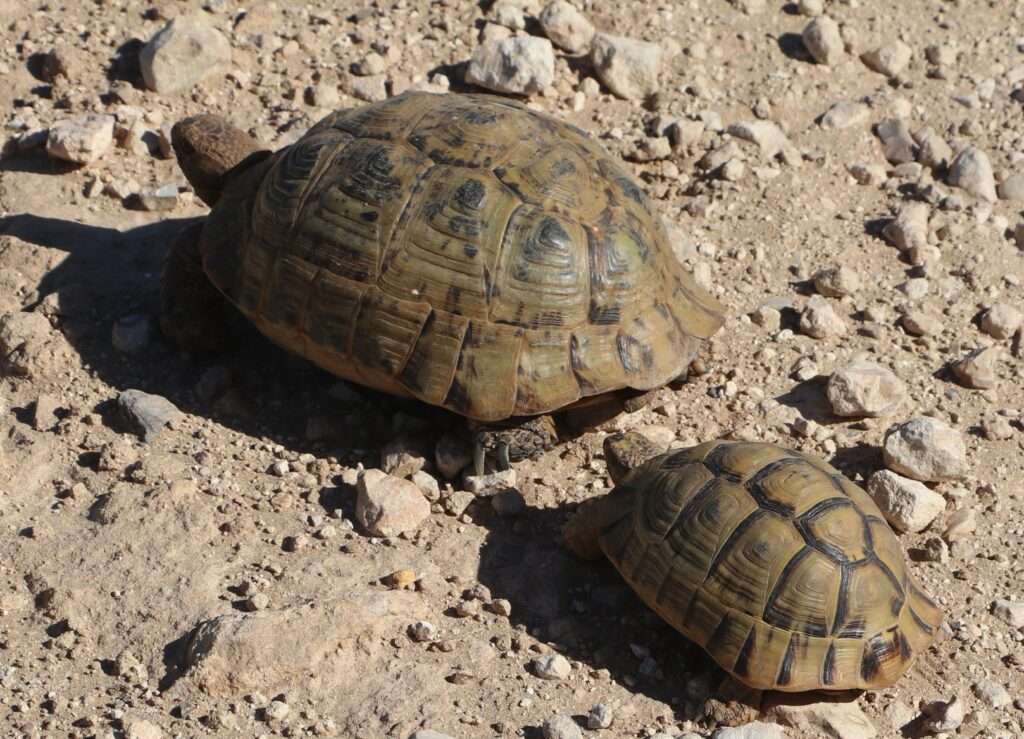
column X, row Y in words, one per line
column 478, row 456
column 504, row 463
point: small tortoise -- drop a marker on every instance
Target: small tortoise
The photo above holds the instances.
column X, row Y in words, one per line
column 463, row 250
column 783, row 570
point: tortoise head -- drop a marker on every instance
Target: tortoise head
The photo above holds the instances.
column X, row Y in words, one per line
column 208, row 148
column 627, row 450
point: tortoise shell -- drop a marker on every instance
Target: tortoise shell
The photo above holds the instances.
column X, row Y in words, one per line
column 460, row 249
column 782, row 569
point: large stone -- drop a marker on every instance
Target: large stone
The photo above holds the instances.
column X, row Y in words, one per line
column 627, row 67
column 1001, row 321
column 182, row 53
column 839, row 720
column 145, row 414
column 519, row 65
column 896, row 140
column 977, row 369
column 864, row 388
column 753, row 730
column 823, row 41
column 845, row 114
column 820, row 320
column 23, row 337
column 925, row 449
column 388, row 506
column 561, row 727
column 971, row 170
column 909, row 229
column 567, row 27
column 81, row 140
column 889, row 59
column 908, row 505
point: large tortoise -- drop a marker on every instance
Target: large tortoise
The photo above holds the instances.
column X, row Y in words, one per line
column 459, row 249
column 782, row 569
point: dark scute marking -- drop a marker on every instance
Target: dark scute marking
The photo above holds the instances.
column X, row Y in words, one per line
column 604, row 315
column 466, row 226
column 689, row 510
column 843, row 598
column 470, row 194
column 713, row 461
column 480, row 116
column 552, row 233
column 786, row 668
column 418, row 141
column 677, row 460
column 854, row 629
column 906, row 651
column 803, row 526
column 774, row 617
column 469, row 250
column 563, row 167
column 753, row 486
column 722, row 630
column 925, row 627
column 547, row 319
column 742, row 666
column 737, row 532
column 630, row 190
column 634, row 355
column 370, row 216
column 877, row 650
column 828, row 669
column 897, row 605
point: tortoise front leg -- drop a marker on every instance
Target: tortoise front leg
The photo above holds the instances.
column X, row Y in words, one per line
column 192, row 311
column 512, row 441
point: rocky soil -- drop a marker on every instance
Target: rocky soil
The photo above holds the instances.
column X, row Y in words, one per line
column 244, row 546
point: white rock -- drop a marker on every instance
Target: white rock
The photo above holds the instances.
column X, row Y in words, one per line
column 943, row 716
column 837, row 282
column 910, row 227
column 388, row 506
column 429, row 734
column 510, row 15
column 521, row 65
column 823, row 41
column 845, row 114
column 1012, row 188
column 486, row 485
column 889, row 59
column 1001, row 321
column 1011, row 612
column 182, row 53
column 754, row 730
column 567, row 27
column 864, row 388
column 141, row 729
column 978, row 368
column 628, row 67
column 925, row 449
column 992, row 693
column 971, row 170
column 561, row 727
column 82, row 139
column 552, row 667
column 768, row 137
column 908, row 505
column 820, row 320
column 841, row 720
column 599, row 717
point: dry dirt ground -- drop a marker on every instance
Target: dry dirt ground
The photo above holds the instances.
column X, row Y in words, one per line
column 115, row 549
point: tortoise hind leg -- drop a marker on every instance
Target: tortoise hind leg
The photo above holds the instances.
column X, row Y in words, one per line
column 512, row 441
column 192, row 311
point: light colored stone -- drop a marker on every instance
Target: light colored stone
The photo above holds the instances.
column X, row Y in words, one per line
column 371, row 88
column 864, row 388
column 389, row 506
column 961, row 525
column 810, row 7
column 510, row 15
column 628, row 67
column 943, row 716
column 552, row 667
column 908, row 505
column 561, row 727
column 1001, row 321
column 839, row 720
column 920, row 323
column 141, row 729
column 978, row 369
column 182, row 53
column 81, row 140
column 520, row 65
column 872, row 175
column 889, row 59
column 820, row 320
column 599, row 717
column 823, row 41
column 897, row 143
column 1012, row 188
column 933, row 151
column 566, row 26
column 845, row 114
column 925, row 449
column 754, row 730
column 910, row 227
column 837, row 282
column 429, row 734
column 145, row 414
column 992, row 693
column 1010, row 612
column 971, row 170
column 770, row 139
column 486, row 485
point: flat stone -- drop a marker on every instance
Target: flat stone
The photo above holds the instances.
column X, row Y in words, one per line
column 628, row 67
column 770, row 139
column 971, row 170
column 485, row 485
column 845, row 114
column 920, row 323
column 839, row 720
column 908, row 505
column 978, row 369
column 156, row 199
column 823, row 41
column 144, row 414
column 520, row 65
column 44, row 412
column 899, row 146
column 567, row 27
column 1001, row 321
column 81, row 140
column 820, row 320
column 552, row 667
column 754, row 730
column 889, row 59
column 868, row 174
column 182, row 53
column 909, row 229
column 925, row 449
column 388, row 506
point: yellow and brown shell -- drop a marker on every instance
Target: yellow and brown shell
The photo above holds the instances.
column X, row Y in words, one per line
column 460, row 249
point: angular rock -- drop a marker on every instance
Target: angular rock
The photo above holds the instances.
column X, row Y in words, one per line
column 961, row 525
column 276, row 650
column 823, row 41
column 753, row 730
column 909, row 229
column 520, row 65
column 889, row 59
column 837, row 282
column 840, row 720
column 182, row 53
column 978, row 369
column 1012, row 188
column 81, row 140
column 561, row 727
column 933, row 151
column 925, row 449
column 371, row 89
column 896, row 140
column 144, row 414
column 863, row 388
column 1001, row 321
column 992, row 693
column 405, row 455
column 943, row 716
column 388, row 506
column 486, row 485
column 552, row 667
column 567, row 27
column 628, row 67
column 23, row 337
column 820, row 320
column 141, row 729
column 908, row 505
column 1010, row 612
column 868, row 174
column 971, row 170
column 769, row 138
column 599, row 717
column 845, row 114
column 44, row 412
column 919, row 323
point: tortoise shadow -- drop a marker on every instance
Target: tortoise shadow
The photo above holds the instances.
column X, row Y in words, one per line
column 272, row 393
column 586, row 611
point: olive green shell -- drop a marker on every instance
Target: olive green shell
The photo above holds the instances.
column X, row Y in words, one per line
column 460, row 249
column 783, row 570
